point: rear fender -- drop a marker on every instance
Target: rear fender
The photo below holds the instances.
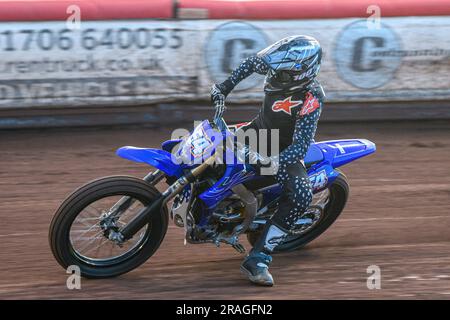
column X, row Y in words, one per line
column 336, row 153
column 340, row 152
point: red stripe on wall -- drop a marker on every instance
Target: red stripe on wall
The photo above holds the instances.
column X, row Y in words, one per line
column 38, row 10
column 310, row 9
column 47, row 10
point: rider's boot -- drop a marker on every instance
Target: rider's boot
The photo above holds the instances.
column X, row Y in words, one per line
column 256, row 264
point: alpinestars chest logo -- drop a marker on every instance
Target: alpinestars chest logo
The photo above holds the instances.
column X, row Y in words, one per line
column 285, row 105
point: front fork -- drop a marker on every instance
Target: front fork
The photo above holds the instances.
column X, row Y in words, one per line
column 125, row 202
column 143, row 216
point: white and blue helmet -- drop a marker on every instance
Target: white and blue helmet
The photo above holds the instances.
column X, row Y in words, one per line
column 294, row 63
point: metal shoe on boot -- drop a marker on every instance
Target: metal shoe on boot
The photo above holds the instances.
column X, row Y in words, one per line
column 256, row 267
column 256, row 264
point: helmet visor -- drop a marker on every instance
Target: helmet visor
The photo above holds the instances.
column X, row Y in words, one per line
column 284, row 76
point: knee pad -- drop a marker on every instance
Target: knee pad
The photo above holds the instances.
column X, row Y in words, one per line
column 303, row 193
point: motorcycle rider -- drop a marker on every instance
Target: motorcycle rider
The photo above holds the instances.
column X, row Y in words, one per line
column 293, row 104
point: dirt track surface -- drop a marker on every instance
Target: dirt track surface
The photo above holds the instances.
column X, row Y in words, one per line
column 397, row 217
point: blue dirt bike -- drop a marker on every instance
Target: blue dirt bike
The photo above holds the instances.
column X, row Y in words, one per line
column 114, row 224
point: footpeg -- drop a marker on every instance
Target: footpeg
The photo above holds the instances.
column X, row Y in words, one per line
column 239, row 248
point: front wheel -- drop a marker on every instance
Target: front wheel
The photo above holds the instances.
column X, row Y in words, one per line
column 336, row 198
column 78, row 235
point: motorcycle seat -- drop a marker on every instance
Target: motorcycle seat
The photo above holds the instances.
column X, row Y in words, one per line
column 313, row 155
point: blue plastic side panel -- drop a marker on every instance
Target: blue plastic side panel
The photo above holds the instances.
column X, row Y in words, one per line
column 234, row 175
column 159, row 159
column 314, row 154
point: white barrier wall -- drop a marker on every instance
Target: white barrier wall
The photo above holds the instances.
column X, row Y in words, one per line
column 125, row 62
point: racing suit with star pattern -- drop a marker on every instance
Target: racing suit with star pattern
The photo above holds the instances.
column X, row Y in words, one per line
column 295, row 115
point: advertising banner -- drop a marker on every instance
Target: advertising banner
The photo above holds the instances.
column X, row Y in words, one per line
column 138, row 61
column 397, row 59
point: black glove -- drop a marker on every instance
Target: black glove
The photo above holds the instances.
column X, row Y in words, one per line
column 217, row 96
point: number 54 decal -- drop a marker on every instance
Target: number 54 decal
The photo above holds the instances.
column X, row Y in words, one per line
column 319, row 180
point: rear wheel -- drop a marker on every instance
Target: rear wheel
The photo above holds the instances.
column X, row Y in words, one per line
column 336, row 198
column 78, row 235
